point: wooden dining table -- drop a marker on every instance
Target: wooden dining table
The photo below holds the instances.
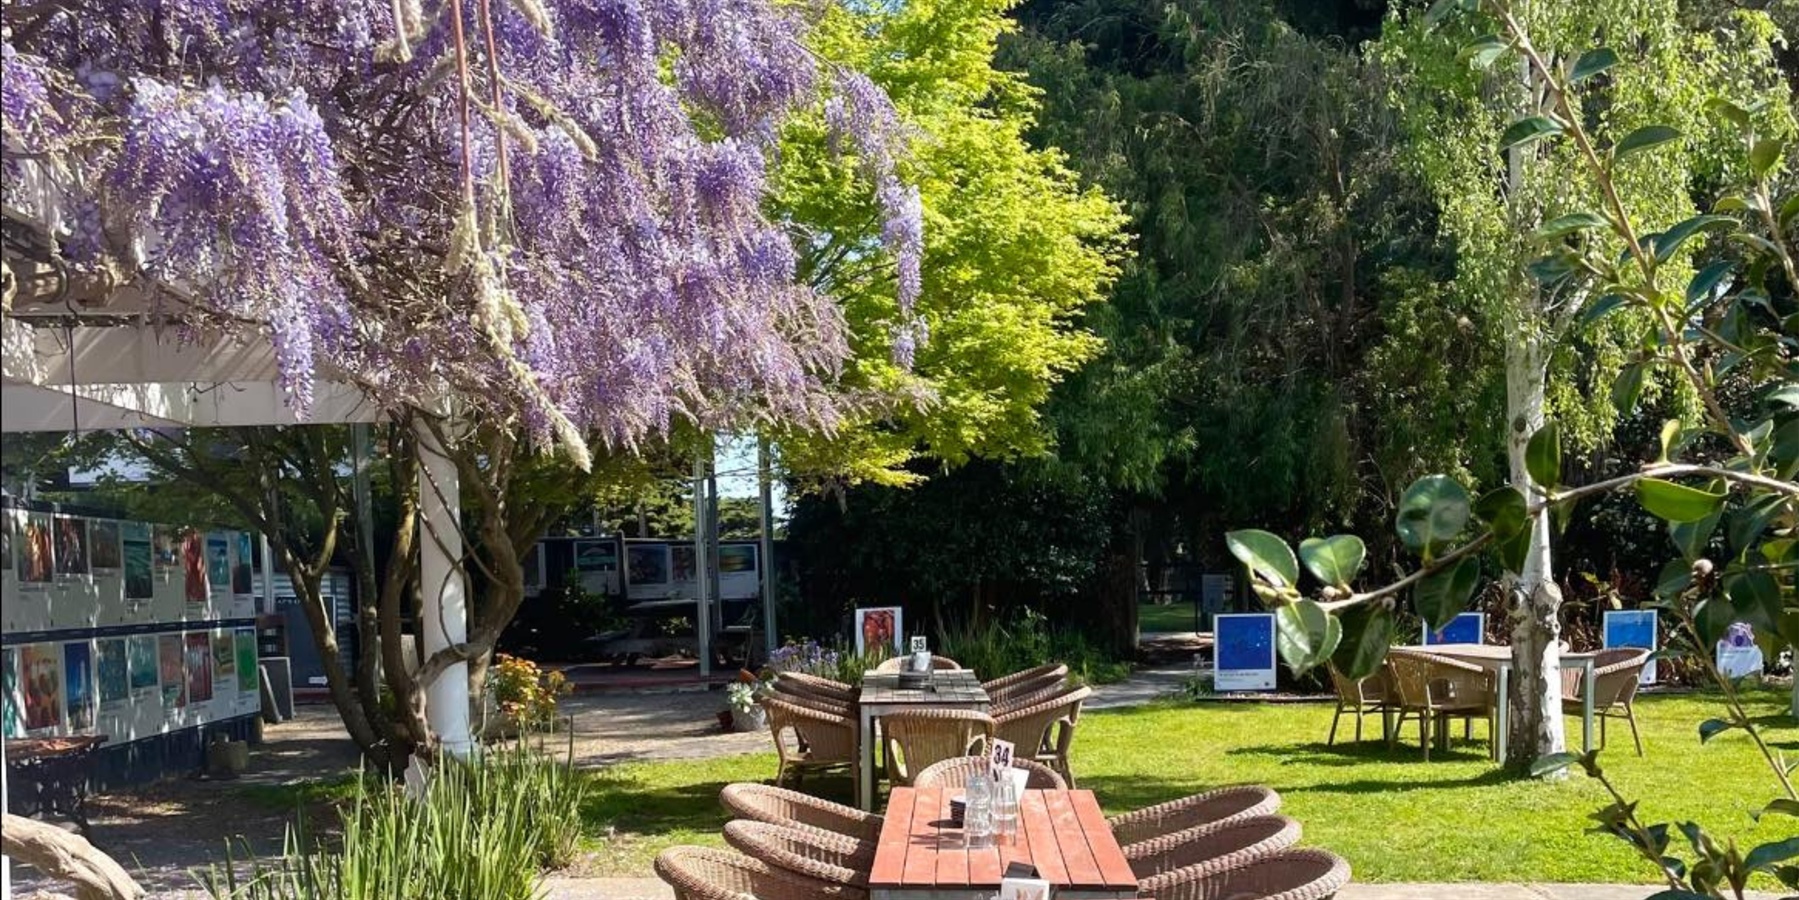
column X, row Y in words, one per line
column 881, row 693
column 1497, row 658
column 924, row 855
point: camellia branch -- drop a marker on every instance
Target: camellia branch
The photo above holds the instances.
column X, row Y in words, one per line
column 1662, row 470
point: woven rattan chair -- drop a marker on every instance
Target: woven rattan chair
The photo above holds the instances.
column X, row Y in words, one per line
column 919, row 738
column 954, row 774
column 702, row 873
column 823, row 688
column 1031, row 695
column 779, row 806
column 1435, row 689
column 1370, row 696
column 1171, row 859
column 827, row 857
column 1616, row 674
column 809, row 700
column 899, row 663
column 1296, row 873
column 824, row 738
column 1215, row 807
column 1044, row 730
column 1025, row 683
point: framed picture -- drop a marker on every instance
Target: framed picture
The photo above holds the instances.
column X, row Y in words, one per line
column 40, row 665
column 646, row 565
column 243, row 573
column 136, row 551
column 218, row 563
column 193, row 568
column 78, row 678
column 198, row 659
column 140, row 664
column 71, row 546
column 37, row 550
column 879, row 629
column 1634, row 628
column 1737, row 654
column 171, row 665
column 115, row 683
column 1243, row 652
column 1467, row 628
column 104, row 552
column 12, row 713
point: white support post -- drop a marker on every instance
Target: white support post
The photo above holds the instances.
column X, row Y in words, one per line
column 5, row 861
column 702, row 619
column 765, row 560
column 445, row 620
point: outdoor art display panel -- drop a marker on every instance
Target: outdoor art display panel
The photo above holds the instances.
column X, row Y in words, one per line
column 1243, row 652
column 1633, row 628
column 78, row 680
column 880, row 629
column 41, row 667
column 1466, row 628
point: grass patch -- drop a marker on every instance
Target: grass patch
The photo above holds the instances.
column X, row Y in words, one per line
column 1154, row 617
column 296, row 794
column 1393, row 816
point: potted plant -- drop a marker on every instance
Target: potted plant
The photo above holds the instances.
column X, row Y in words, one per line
column 745, row 696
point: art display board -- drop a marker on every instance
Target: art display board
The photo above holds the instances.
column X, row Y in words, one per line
column 1243, row 652
column 597, row 561
column 1633, row 628
column 1467, row 628
column 1737, row 654
column 103, row 623
column 880, row 627
column 661, row 570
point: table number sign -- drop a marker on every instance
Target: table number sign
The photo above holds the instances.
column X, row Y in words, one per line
column 1633, row 628
column 1000, row 757
column 1243, row 652
column 1021, row 883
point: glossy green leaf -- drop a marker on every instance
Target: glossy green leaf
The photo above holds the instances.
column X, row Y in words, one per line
column 1432, row 511
column 1782, row 807
column 1305, row 634
column 1514, row 551
column 1670, row 440
column 1766, row 855
column 1712, row 618
column 1600, row 308
column 1443, row 9
column 1485, row 50
column 1756, row 596
column 1676, row 502
column 1570, row 223
column 1592, row 63
column 1505, row 511
column 1788, row 211
column 1786, row 395
column 1527, row 130
column 1543, row 456
column 1627, row 388
column 1736, row 114
column 1267, row 556
column 1678, row 234
column 1692, row 538
column 1335, row 560
column 1749, row 522
column 1676, row 576
column 1552, row 763
column 1711, row 728
column 1442, row 595
column 1764, row 155
column 1367, row 634
column 1645, row 138
column 1707, row 280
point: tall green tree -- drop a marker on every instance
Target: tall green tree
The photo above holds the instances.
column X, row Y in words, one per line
column 1015, row 249
column 1475, row 117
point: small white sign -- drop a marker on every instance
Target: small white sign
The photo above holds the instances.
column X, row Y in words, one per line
column 1000, row 757
column 1023, row 889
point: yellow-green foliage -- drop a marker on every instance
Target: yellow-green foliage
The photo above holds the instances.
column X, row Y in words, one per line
column 1014, row 247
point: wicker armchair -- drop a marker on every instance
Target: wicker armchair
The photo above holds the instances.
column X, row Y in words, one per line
column 823, row 738
column 1292, row 874
column 1173, row 858
column 813, row 701
column 919, row 738
column 832, row 858
column 899, row 663
column 702, row 873
column 1044, row 731
column 1030, row 695
column 1435, row 689
column 954, row 774
column 1371, row 695
column 1025, row 683
column 822, row 688
column 792, row 809
column 1221, row 806
column 1616, row 674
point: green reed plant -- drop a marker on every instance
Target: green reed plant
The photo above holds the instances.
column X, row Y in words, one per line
column 481, row 830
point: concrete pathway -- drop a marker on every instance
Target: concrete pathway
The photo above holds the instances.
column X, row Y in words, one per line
column 653, row 889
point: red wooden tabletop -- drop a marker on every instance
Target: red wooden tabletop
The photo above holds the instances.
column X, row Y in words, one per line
column 1062, row 833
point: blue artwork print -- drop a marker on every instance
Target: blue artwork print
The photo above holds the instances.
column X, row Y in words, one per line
column 1244, row 652
column 1633, row 628
column 1467, row 628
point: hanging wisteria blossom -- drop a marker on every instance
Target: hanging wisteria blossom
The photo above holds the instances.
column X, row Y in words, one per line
column 547, row 210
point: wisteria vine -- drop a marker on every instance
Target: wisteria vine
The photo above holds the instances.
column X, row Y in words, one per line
column 550, row 210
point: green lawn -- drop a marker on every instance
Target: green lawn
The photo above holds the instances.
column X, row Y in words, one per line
column 1394, row 817
column 1153, row 617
